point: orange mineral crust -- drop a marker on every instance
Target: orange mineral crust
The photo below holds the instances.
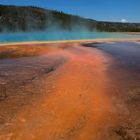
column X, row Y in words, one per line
column 74, row 100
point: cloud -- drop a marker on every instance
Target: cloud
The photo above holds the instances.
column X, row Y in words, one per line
column 124, row 20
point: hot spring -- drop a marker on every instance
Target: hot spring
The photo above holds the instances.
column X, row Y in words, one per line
column 60, row 35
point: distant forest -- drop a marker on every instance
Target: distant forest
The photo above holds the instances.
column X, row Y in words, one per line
column 29, row 18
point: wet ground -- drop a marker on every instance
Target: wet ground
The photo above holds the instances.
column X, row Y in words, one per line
column 85, row 91
column 125, row 77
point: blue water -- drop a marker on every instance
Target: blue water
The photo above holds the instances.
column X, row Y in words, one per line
column 59, row 35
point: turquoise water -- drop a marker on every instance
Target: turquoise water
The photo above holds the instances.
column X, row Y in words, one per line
column 59, row 35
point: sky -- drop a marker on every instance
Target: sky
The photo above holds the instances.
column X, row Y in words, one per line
column 102, row 10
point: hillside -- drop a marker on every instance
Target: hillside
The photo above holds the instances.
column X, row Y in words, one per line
column 18, row 18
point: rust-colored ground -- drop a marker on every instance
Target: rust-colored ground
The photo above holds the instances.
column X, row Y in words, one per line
column 78, row 107
column 26, row 50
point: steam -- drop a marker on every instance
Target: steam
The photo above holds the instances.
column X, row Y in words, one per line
column 32, row 19
column 53, row 30
column 30, row 25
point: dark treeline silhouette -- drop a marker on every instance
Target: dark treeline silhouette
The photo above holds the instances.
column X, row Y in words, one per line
column 29, row 18
column 118, row 26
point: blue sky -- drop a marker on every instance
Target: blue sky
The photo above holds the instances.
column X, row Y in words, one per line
column 105, row 10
